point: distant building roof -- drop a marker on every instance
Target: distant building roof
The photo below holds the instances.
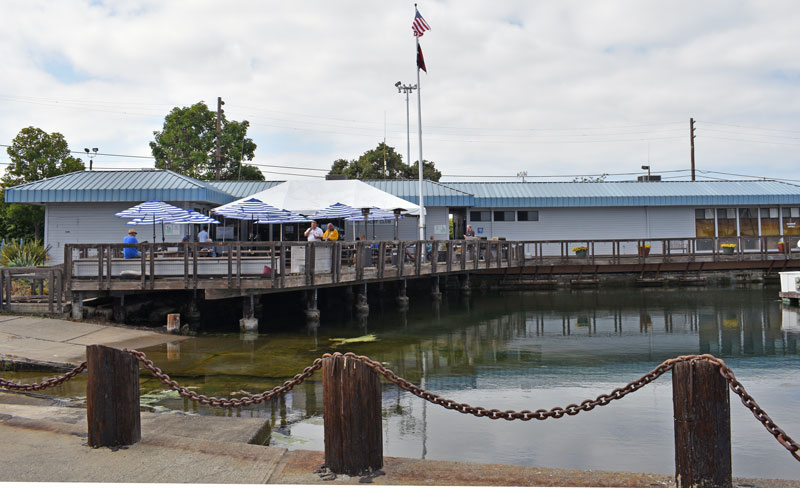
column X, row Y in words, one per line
column 241, row 189
column 630, row 193
column 436, row 194
column 117, row 186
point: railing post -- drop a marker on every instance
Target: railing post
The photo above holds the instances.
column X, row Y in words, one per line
column 702, row 425
column 112, row 397
column 352, row 416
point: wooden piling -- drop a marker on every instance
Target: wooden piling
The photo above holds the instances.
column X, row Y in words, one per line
column 702, row 425
column 352, row 416
column 112, row 397
column 173, row 323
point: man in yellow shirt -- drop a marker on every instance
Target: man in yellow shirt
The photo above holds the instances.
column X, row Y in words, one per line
column 331, row 234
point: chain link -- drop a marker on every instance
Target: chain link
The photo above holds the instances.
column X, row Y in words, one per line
column 48, row 383
column 226, row 402
column 586, row 405
column 525, row 415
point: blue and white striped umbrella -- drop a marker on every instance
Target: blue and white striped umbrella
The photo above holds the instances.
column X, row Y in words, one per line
column 286, row 217
column 251, row 209
column 150, row 212
column 375, row 215
column 336, row 211
column 193, row 217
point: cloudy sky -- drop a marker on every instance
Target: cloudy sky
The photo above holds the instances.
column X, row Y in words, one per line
column 551, row 88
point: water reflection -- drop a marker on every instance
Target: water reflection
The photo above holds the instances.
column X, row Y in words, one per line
column 522, row 351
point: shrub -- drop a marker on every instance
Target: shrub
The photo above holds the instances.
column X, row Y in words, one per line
column 24, row 253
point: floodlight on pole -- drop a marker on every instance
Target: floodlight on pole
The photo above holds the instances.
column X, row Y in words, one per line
column 647, row 167
column 401, row 88
column 91, row 156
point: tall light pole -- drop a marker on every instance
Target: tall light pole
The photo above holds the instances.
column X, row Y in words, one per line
column 647, row 167
column 91, row 156
column 401, row 88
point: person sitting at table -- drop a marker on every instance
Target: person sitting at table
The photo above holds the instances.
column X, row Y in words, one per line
column 211, row 250
column 331, row 234
column 470, row 233
column 130, row 252
column 202, row 236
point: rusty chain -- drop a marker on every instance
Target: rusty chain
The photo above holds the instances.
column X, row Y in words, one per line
column 227, row 402
column 556, row 412
column 604, row 399
column 48, row 383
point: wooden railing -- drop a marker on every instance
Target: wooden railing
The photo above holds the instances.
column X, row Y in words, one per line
column 302, row 264
column 45, row 283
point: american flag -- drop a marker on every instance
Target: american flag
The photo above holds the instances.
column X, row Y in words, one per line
column 419, row 25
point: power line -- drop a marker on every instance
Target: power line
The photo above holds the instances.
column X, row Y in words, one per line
column 754, row 128
column 561, row 176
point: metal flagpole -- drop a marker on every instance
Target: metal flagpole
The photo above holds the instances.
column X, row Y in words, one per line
column 419, row 130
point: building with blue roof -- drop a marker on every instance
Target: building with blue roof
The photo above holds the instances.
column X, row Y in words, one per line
column 79, row 207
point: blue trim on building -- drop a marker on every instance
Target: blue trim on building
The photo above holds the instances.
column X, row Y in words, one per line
column 117, row 186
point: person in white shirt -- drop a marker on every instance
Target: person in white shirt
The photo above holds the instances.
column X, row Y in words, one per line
column 314, row 233
column 202, row 236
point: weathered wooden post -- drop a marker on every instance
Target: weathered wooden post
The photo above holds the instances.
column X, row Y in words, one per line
column 173, row 323
column 352, row 416
column 702, row 425
column 112, row 397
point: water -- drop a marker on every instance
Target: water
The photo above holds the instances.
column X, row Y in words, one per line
column 523, row 350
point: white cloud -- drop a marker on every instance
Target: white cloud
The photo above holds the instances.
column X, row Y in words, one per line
column 548, row 87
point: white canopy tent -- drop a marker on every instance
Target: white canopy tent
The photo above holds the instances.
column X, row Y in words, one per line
column 307, row 196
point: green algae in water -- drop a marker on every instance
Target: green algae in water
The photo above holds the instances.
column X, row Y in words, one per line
column 340, row 341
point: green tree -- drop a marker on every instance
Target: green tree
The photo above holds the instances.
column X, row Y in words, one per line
column 187, row 144
column 429, row 171
column 382, row 163
column 34, row 155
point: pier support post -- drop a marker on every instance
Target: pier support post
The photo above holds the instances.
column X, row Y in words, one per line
column 435, row 292
column 465, row 285
column 119, row 309
column 248, row 322
column 77, row 305
column 193, row 314
column 312, row 311
column 352, row 416
column 361, row 306
column 173, row 324
column 702, row 425
column 402, row 297
column 112, row 397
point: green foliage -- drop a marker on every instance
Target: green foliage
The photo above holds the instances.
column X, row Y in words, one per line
column 36, row 155
column 383, row 163
column 187, row 144
column 28, row 253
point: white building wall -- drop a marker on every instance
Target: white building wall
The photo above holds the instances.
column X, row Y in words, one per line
column 89, row 223
column 436, row 219
column 581, row 224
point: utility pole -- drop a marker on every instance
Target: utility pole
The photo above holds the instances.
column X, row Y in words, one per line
column 220, row 103
column 691, row 142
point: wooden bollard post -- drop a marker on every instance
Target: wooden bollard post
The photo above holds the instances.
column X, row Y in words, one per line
column 173, row 323
column 702, row 425
column 352, row 416
column 112, row 397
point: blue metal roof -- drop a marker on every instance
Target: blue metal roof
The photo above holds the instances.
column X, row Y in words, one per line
column 241, row 189
column 631, row 193
column 117, row 186
column 436, row 194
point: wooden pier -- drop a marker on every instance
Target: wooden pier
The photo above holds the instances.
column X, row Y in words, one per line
column 231, row 268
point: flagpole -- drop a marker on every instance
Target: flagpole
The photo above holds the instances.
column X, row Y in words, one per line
column 419, row 130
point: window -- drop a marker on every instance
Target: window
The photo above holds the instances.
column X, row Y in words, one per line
column 528, row 215
column 479, row 216
column 791, row 221
column 748, row 222
column 704, row 222
column 503, row 216
column 726, row 222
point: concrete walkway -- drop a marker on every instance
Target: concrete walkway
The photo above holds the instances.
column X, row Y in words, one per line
column 44, row 440
column 62, row 343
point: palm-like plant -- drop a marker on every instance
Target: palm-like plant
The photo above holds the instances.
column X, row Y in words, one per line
column 24, row 253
